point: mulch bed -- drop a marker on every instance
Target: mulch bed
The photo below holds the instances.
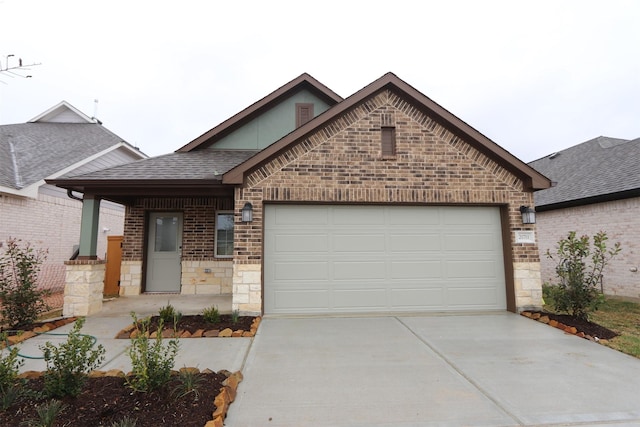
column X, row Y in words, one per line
column 196, row 326
column 106, row 400
column 588, row 329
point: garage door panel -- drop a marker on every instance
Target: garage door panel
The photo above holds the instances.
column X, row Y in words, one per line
column 475, row 296
column 358, row 270
column 418, row 269
column 303, row 299
column 470, row 242
column 360, row 299
column 419, row 242
column 472, row 269
column 358, row 242
column 303, row 242
column 382, row 259
column 352, row 215
column 418, row 298
column 300, row 271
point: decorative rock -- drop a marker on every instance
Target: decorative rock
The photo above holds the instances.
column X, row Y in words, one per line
column 114, row 373
column 561, row 326
column 207, row 371
column 154, row 334
column 231, row 392
column 224, row 372
column 198, row 333
column 248, row 334
column 536, row 316
column 135, row 333
column 212, row 333
column 526, row 314
column 232, row 382
column 168, row 333
column 553, row 323
column 96, row 374
column 123, row 335
column 238, row 376
column 580, row 334
column 571, row 330
column 544, row 319
column 14, row 339
column 30, row 375
column 237, row 333
column 225, row 333
column 185, row 334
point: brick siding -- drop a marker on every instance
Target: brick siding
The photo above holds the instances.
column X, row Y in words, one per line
column 619, row 219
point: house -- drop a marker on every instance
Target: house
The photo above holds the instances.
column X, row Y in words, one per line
column 597, row 188
column 306, row 202
column 61, row 140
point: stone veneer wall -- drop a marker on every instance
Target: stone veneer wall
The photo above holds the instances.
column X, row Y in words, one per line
column 84, row 284
column 342, row 163
column 130, row 278
column 207, row 277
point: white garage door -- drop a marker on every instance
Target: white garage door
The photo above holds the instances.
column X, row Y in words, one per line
column 346, row 259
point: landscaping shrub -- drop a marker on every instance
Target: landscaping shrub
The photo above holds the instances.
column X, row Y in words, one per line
column 22, row 301
column 70, row 362
column 579, row 267
column 211, row 314
column 151, row 361
column 9, row 369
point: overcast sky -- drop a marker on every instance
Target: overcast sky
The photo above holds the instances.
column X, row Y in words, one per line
column 533, row 76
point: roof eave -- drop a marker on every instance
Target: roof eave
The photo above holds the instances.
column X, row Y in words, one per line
column 601, row 198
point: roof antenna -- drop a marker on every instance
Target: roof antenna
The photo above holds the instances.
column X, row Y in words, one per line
column 95, row 112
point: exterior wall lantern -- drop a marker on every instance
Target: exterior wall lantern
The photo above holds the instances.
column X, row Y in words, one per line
column 528, row 215
column 247, row 212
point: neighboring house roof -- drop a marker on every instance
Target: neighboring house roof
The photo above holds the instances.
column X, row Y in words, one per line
column 532, row 179
column 597, row 170
column 51, row 144
column 302, row 82
column 200, row 166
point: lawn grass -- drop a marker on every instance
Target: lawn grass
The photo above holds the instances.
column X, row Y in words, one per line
column 623, row 317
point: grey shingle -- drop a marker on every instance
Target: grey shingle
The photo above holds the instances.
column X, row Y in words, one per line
column 598, row 167
column 42, row 149
column 197, row 164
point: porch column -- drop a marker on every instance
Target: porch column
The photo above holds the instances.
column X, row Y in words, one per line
column 89, row 227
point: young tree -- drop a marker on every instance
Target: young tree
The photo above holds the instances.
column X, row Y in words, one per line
column 22, row 301
column 579, row 266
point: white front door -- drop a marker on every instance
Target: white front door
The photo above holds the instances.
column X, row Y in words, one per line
column 164, row 252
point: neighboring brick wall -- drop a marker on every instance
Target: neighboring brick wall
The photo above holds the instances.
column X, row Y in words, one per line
column 619, row 219
column 342, row 163
column 53, row 223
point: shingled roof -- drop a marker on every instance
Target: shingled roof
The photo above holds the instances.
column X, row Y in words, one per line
column 33, row 151
column 597, row 170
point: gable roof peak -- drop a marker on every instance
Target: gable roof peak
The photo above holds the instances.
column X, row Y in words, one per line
column 63, row 112
column 236, row 121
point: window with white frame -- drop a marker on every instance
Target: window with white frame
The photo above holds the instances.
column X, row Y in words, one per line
column 224, row 235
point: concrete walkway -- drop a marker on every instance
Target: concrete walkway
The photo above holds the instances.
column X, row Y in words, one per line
column 472, row 370
column 215, row 354
column 435, row 370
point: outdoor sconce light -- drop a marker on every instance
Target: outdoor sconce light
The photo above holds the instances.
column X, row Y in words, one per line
column 247, row 212
column 528, row 215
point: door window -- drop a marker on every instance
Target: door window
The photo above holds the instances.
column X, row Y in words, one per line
column 224, row 234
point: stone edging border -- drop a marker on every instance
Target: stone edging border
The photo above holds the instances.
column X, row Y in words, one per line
column 44, row 328
column 130, row 332
column 222, row 401
column 567, row 329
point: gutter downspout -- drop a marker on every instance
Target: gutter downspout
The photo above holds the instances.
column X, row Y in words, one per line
column 71, row 196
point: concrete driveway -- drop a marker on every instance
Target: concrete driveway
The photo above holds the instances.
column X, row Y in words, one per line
column 460, row 370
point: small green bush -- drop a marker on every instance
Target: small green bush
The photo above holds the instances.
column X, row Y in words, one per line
column 579, row 267
column 22, row 301
column 9, row 369
column 47, row 414
column 125, row 422
column 151, row 361
column 235, row 316
column 211, row 314
column 70, row 362
column 167, row 313
column 190, row 383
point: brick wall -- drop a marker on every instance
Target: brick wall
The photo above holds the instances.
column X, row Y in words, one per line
column 342, row 163
column 198, row 229
column 619, row 219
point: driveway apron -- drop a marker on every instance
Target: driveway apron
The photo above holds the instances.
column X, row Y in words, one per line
column 452, row 370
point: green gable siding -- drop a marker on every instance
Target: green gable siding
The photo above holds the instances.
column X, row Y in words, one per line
column 271, row 125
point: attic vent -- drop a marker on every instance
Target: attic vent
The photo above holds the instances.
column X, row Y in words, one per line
column 553, row 155
column 304, row 113
column 387, row 120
